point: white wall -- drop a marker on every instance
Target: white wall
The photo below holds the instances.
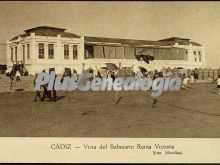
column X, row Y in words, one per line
column 34, row 64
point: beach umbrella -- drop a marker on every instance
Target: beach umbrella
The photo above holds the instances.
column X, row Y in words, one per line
column 111, row 66
column 104, row 68
column 144, row 55
column 180, row 68
column 146, row 58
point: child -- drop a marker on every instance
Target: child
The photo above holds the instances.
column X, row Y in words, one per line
column 185, row 82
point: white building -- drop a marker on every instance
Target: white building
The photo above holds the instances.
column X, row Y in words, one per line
column 48, row 47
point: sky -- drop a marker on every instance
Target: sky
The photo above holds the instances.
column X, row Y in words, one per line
column 199, row 21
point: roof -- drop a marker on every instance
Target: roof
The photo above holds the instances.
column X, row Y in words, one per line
column 90, row 39
column 47, row 31
column 69, row 35
column 43, row 28
column 195, row 44
column 180, row 41
column 175, row 39
column 54, row 31
column 165, row 42
column 21, row 35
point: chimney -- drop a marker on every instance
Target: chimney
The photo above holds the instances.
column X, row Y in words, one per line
column 32, row 34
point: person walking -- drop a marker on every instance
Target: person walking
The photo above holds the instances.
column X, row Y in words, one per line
column 37, row 92
column 45, row 92
column 185, row 81
column 52, row 93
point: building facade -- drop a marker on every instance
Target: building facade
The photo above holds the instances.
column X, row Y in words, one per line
column 48, row 47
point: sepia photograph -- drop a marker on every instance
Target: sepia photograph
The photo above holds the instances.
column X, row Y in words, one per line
column 110, row 69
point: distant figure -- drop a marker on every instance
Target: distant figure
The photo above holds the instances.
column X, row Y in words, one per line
column 218, row 84
column 156, row 74
column 75, row 73
column 113, row 76
column 168, row 74
column 139, row 75
column 196, row 74
column 108, row 74
column 95, row 72
column 183, row 76
column 45, row 92
column 185, row 82
column 52, row 95
column 99, row 75
column 191, row 79
column 160, row 74
column 37, row 93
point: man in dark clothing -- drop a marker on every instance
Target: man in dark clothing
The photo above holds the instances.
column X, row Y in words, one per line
column 52, row 94
column 46, row 93
column 196, row 74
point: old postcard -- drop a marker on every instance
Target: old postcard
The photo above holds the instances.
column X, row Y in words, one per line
column 109, row 82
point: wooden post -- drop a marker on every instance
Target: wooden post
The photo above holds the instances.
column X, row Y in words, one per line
column 116, row 93
column 83, row 65
column 12, row 77
column 11, row 83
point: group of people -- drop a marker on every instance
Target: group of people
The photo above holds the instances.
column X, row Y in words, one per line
column 49, row 95
column 187, row 79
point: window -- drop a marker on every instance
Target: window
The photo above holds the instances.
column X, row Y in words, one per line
column 12, row 54
column 195, row 58
column 75, row 51
column 66, row 51
column 41, row 51
column 86, row 53
column 23, row 53
column 186, row 52
column 200, row 56
column 16, row 51
column 50, row 51
column 28, row 51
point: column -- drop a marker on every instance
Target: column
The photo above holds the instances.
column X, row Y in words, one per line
column 33, row 55
column 203, row 56
column 58, row 55
column 8, row 53
column 81, row 48
column 190, row 56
